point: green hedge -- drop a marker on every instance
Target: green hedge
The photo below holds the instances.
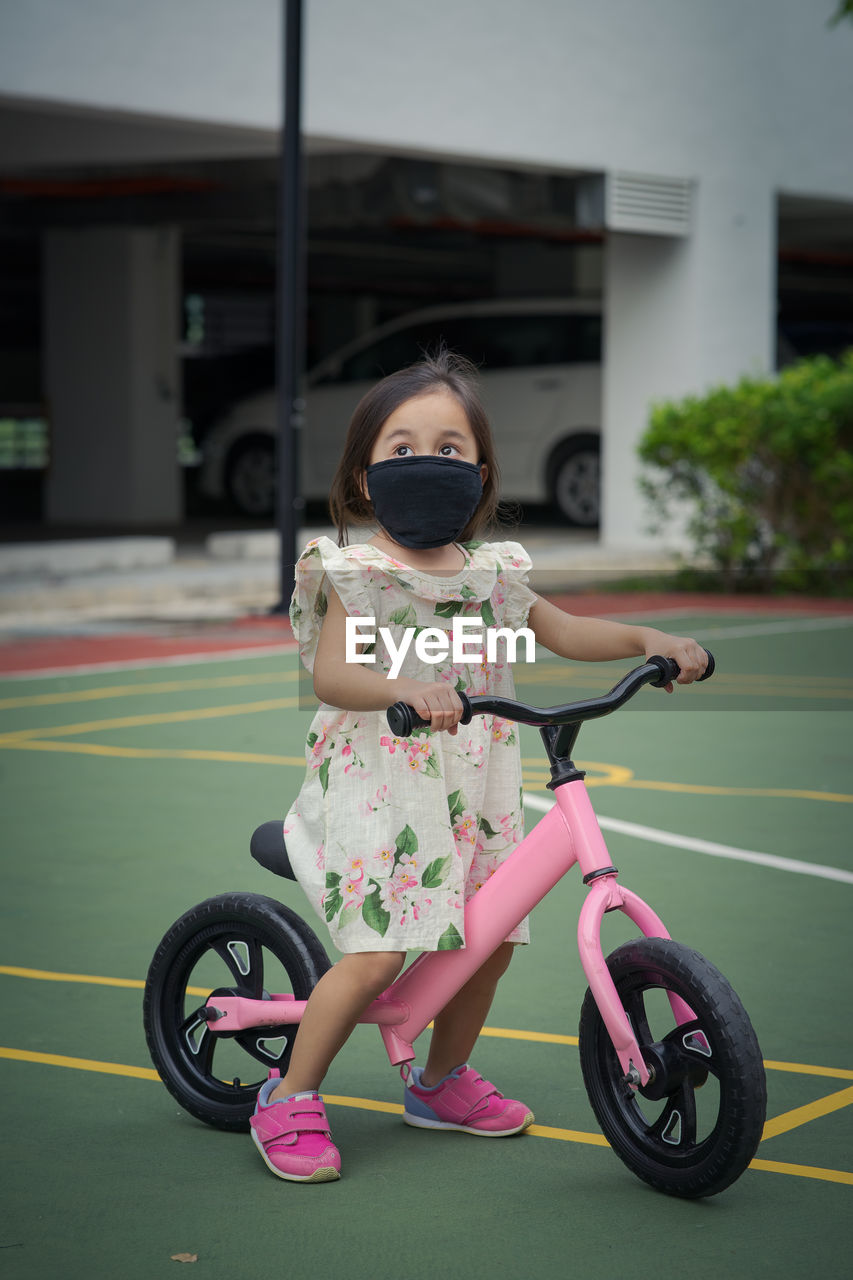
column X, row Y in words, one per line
column 766, row 468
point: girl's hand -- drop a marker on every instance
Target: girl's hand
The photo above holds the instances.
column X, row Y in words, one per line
column 439, row 703
column 689, row 654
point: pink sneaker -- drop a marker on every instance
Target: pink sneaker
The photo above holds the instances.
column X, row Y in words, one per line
column 292, row 1135
column 463, row 1100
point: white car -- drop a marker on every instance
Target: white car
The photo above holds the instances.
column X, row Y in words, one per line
column 540, row 379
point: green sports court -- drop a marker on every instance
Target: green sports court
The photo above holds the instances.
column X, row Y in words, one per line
column 129, row 792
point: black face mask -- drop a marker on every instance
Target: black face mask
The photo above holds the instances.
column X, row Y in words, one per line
column 425, row 501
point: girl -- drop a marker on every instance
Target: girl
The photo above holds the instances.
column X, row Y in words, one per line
column 390, row 837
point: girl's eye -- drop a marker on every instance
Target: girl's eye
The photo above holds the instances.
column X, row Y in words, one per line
column 403, row 451
column 447, row 450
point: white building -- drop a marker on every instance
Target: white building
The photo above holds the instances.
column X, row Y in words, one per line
column 716, row 129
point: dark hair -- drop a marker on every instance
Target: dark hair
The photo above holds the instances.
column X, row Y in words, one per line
column 443, row 371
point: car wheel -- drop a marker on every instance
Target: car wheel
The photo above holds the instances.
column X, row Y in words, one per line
column 250, row 475
column 576, row 481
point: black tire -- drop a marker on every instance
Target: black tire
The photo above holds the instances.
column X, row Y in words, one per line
column 236, row 944
column 677, row 1142
column 575, row 481
column 250, row 475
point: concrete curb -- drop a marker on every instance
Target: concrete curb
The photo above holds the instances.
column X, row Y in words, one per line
column 237, row 573
column 84, row 555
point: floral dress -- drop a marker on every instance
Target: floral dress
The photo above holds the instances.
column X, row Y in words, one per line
column 390, row 836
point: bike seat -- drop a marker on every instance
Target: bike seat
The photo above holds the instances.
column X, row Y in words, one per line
column 267, row 847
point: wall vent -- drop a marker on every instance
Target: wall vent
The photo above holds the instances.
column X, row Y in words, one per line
column 641, row 202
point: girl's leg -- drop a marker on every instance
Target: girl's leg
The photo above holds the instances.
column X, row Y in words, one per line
column 459, row 1024
column 333, row 1009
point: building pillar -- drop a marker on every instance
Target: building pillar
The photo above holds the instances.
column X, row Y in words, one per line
column 112, row 378
column 682, row 314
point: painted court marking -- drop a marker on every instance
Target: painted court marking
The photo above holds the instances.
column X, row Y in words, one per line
column 782, row 1124
column 778, row 1125
column 782, row 627
column 44, row 738
column 111, row 691
column 140, row 664
column 708, row 847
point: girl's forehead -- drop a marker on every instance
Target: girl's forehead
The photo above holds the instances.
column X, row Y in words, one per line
column 434, row 411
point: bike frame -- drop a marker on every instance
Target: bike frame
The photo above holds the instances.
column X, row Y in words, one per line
column 568, row 834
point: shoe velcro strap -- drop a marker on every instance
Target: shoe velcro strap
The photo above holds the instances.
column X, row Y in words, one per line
column 476, row 1093
column 300, row 1116
column 478, row 1087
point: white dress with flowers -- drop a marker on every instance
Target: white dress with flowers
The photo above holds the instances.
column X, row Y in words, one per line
column 388, row 836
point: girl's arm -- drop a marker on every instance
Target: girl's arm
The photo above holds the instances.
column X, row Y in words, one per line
column 596, row 640
column 352, row 686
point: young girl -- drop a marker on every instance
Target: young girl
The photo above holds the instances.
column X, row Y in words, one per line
column 390, row 837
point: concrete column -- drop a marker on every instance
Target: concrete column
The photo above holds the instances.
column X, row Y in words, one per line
column 682, row 315
column 111, row 305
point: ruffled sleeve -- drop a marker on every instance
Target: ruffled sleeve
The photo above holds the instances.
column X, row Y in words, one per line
column 323, row 564
column 513, row 567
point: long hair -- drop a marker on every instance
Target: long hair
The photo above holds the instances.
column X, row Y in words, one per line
column 442, row 371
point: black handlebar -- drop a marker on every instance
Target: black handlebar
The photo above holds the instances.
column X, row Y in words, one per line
column 403, row 719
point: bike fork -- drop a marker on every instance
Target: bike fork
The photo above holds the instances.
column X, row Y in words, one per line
column 606, row 894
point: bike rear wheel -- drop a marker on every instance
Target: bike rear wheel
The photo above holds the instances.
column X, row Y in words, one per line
column 237, row 944
column 695, row 1127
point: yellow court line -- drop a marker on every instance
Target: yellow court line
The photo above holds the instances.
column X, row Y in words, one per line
column 48, row 975
column 90, row 979
column 741, row 678
column 803, row 1171
column 618, row 776
column 163, row 717
column 804, row 1115
column 508, row 1033
column 568, row 1135
column 536, row 778
column 152, row 753
column 140, row 690
column 762, row 686
column 835, row 1073
column 571, row 673
column 79, row 1064
column 393, row 1108
column 779, row 686
column 758, row 691
column 364, row 1104
column 784, row 1123
column 696, row 789
column 538, row 1037
column 531, row 673
column 720, row 691
column 613, row 774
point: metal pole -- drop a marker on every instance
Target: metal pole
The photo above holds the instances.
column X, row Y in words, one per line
column 291, row 302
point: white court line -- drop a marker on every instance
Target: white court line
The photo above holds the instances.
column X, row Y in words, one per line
column 139, row 664
column 788, row 626
column 708, row 847
column 744, row 630
column 133, row 664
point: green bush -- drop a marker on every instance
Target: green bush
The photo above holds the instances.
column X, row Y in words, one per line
column 766, row 469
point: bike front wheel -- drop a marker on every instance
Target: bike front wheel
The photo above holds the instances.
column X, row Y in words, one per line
column 237, row 944
column 693, row 1129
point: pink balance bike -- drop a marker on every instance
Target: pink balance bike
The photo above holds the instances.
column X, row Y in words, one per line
column 669, row 1057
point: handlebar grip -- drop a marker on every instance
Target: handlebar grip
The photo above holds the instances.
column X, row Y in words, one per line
column 670, row 670
column 403, row 719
